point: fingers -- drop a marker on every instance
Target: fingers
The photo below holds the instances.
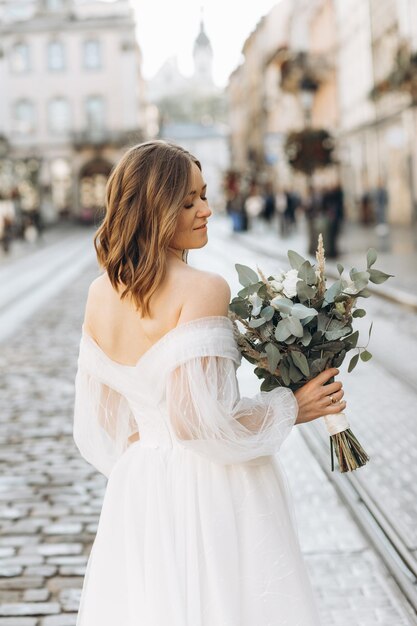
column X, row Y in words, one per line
column 334, row 408
column 332, row 388
column 333, row 398
column 324, row 376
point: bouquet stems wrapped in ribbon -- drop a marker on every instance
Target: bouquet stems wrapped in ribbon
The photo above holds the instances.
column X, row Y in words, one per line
column 293, row 327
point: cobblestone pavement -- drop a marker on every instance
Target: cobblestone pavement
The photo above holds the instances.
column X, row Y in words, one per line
column 50, row 498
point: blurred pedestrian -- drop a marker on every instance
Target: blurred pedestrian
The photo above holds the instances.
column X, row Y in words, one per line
column 235, row 208
column 254, row 205
column 380, row 204
column 280, row 206
column 269, row 204
column 333, row 210
column 366, row 214
column 293, row 202
column 7, row 220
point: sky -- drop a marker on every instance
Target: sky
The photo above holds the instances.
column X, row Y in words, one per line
column 168, row 28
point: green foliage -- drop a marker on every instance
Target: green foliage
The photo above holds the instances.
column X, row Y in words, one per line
column 295, row 259
column 246, row 275
column 298, row 337
column 274, row 356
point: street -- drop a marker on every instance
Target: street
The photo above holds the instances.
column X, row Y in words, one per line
column 50, row 498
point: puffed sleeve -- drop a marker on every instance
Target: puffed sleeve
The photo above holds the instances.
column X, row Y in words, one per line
column 103, row 424
column 208, row 417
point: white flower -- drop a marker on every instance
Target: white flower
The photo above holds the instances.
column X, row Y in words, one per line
column 256, row 303
column 289, row 283
column 276, row 285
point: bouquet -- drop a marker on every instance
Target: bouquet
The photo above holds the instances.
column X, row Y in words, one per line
column 293, row 327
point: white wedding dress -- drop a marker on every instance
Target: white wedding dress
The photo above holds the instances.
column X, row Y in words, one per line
column 195, row 528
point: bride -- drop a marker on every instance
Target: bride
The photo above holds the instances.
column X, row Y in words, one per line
column 195, row 528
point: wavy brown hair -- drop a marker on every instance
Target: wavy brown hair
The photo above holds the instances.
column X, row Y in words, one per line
column 144, row 196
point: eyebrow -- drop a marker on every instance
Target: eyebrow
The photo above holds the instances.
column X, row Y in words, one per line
column 192, row 193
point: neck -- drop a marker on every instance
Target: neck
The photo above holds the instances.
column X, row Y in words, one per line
column 178, row 253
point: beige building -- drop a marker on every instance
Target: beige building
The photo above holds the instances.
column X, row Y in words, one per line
column 346, row 49
column 72, row 98
column 377, row 136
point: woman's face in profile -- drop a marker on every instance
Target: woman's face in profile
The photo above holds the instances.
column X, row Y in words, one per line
column 191, row 229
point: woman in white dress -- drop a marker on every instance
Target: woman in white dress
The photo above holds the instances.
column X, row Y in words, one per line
column 195, row 528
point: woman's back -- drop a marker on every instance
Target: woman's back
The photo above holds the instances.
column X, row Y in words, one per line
column 117, row 326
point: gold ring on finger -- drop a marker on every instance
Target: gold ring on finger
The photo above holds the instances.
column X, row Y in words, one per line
column 333, row 400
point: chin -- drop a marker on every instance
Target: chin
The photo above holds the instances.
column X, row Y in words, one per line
column 197, row 244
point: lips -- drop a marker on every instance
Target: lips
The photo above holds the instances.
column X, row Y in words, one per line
column 200, row 227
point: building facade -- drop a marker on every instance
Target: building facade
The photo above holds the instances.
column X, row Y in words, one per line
column 346, row 66
column 72, row 99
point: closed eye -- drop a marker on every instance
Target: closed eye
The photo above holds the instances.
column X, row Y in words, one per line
column 190, row 206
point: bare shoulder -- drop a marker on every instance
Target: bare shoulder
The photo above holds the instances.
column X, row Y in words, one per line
column 205, row 294
column 96, row 294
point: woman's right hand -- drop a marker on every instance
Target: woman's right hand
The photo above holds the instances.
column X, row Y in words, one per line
column 315, row 397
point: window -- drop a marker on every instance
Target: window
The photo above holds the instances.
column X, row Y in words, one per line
column 95, row 113
column 56, row 56
column 24, row 117
column 59, row 115
column 92, row 54
column 19, row 58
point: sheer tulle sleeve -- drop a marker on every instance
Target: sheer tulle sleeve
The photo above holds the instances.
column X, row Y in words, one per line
column 207, row 416
column 103, row 422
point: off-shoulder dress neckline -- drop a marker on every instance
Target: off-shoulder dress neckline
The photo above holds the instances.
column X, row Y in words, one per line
column 222, row 319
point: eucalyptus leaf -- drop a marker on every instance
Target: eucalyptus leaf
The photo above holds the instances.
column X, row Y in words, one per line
column 360, row 279
column 284, row 372
column 284, row 305
column 340, row 268
column 274, row 356
column 240, row 307
column 294, row 372
column 306, row 338
column 378, row 277
column 370, row 330
column 301, row 362
column 371, row 257
column 337, row 333
column 283, row 331
column 317, row 366
column 364, row 293
column 359, row 313
column 353, row 362
column 339, row 358
column 256, row 322
column 316, row 337
column 249, row 290
column 365, row 355
column 295, row 326
column 331, row 346
column 291, row 339
column 246, row 275
column 304, row 291
column 332, row 292
column 301, row 312
column 307, row 273
column 268, row 313
column 295, row 259
column 351, row 341
column 322, row 321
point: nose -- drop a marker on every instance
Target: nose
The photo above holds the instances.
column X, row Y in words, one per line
column 204, row 211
